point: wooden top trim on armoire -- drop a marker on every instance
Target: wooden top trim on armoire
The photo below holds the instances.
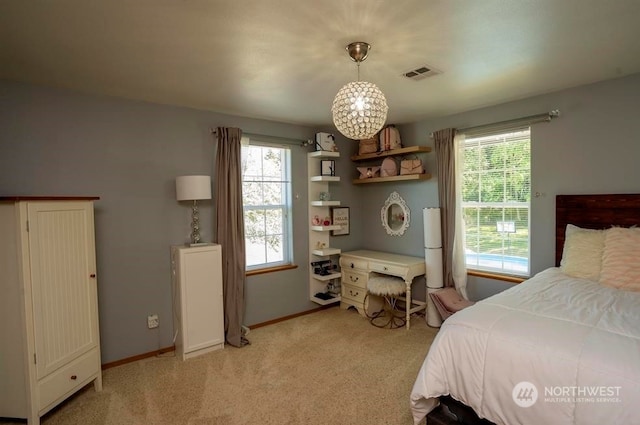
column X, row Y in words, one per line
column 49, row 198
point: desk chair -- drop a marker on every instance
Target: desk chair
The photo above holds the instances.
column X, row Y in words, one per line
column 389, row 288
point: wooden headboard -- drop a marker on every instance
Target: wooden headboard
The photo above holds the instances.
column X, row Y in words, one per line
column 594, row 212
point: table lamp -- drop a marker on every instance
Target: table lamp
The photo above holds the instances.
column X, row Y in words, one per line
column 193, row 188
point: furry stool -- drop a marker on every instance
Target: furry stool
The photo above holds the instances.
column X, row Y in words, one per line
column 389, row 288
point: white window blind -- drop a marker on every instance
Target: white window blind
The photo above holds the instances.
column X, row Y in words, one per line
column 266, row 193
column 496, row 199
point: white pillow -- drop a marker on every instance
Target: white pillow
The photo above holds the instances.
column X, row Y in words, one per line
column 582, row 253
column 621, row 259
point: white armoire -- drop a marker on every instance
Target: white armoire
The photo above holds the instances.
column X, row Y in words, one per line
column 198, row 315
column 49, row 340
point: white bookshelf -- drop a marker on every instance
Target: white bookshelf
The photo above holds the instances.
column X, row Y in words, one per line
column 320, row 235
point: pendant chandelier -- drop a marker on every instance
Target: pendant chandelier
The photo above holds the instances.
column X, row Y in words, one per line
column 359, row 109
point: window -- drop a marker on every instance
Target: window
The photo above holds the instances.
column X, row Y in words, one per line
column 266, row 192
column 496, row 195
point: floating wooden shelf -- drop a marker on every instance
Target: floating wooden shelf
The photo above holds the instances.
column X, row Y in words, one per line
column 335, row 299
column 326, row 228
column 327, row 277
column 401, row 151
column 324, row 154
column 325, row 203
column 393, row 178
column 325, row 179
column 325, row 252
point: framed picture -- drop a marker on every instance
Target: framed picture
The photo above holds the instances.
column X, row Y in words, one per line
column 325, row 142
column 327, row 167
column 340, row 216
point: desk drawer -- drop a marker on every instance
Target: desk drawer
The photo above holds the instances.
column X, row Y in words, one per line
column 355, row 278
column 354, row 293
column 353, row 263
column 387, row 269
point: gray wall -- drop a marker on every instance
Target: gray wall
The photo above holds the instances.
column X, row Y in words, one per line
column 56, row 142
column 592, row 148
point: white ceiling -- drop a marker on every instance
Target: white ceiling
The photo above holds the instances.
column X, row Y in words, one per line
column 284, row 60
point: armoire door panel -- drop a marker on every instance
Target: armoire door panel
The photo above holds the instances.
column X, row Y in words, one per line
column 63, row 292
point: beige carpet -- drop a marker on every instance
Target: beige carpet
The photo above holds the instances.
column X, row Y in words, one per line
column 329, row 367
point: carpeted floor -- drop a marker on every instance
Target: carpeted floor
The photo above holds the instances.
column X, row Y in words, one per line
column 329, row 367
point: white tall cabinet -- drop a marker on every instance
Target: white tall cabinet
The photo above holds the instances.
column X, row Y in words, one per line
column 198, row 315
column 49, row 339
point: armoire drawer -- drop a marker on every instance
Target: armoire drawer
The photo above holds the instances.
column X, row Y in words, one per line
column 70, row 377
column 355, row 278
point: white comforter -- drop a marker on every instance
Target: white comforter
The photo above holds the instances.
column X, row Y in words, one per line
column 576, row 341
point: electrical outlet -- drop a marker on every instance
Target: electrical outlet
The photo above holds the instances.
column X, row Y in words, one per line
column 153, row 321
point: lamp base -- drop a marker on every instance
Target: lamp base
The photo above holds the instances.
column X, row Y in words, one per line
column 199, row 244
column 195, row 224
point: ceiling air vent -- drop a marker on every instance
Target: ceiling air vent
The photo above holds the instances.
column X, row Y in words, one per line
column 421, row 72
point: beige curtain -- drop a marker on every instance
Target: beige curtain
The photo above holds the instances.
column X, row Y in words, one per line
column 230, row 230
column 454, row 269
column 459, row 261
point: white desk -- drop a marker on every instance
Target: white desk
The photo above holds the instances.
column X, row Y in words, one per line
column 356, row 267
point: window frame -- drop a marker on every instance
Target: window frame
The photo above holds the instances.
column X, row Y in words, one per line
column 471, row 142
column 286, row 208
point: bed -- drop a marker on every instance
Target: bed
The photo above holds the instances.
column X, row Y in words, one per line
column 558, row 348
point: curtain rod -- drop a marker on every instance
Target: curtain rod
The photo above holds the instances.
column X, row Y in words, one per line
column 277, row 139
column 532, row 119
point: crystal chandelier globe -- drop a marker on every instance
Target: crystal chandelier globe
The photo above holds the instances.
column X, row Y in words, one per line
column 359, row 109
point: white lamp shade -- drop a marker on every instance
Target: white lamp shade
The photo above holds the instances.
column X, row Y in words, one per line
column 190, row 188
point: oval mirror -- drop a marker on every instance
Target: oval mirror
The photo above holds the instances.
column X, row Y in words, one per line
column 395, row 215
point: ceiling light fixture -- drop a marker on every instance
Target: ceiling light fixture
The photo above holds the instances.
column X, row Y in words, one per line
column 360, row 108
